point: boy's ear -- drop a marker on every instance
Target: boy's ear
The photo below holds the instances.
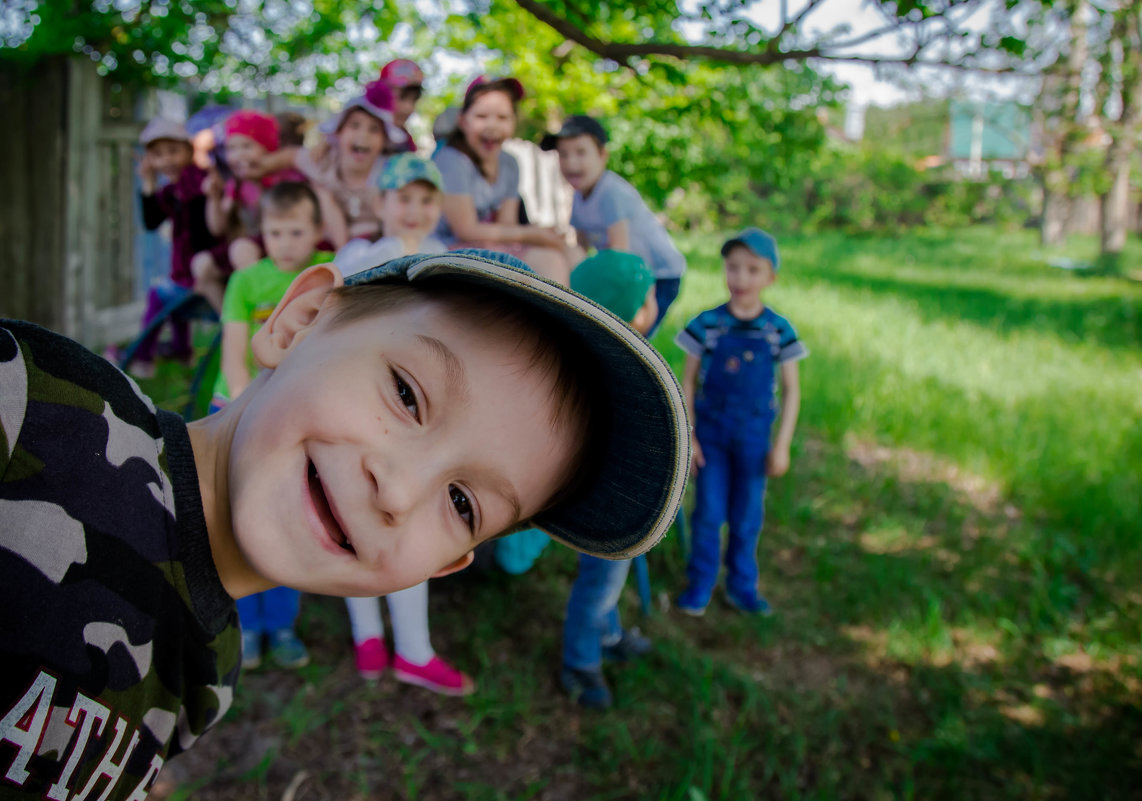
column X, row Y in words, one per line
column 295, row 313
column 456, row 566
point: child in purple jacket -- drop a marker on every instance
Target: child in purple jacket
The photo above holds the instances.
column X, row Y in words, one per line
column 167, row 152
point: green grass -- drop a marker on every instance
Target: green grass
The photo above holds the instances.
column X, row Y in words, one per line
column 954, row 561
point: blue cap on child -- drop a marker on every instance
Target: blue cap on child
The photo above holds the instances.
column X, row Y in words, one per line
column 631, row 501
column 759, row 243
column 402, row 169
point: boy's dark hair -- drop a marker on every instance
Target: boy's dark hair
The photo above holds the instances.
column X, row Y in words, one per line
column 291, row 129
column 579, row 404
column 414, row 91
column 283, row 197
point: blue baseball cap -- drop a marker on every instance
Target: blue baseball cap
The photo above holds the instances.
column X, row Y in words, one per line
column 631, row 498
column 402, row 169
column 759, row 243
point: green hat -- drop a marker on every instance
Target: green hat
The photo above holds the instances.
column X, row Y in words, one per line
column 405, row 168
column 615, row 280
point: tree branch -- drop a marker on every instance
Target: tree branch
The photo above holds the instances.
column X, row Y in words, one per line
column 770, row 54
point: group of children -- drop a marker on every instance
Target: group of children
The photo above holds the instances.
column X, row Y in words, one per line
column 397, row 387
column 363, row 198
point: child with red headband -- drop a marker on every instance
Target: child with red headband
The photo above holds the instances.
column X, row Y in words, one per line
column 232, row 206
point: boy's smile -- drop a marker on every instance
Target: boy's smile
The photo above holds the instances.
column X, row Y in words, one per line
column 381, row 451
column 747, row 276
column 582, row 161
column 411, row 212
column 291, row 236
column 169, row 157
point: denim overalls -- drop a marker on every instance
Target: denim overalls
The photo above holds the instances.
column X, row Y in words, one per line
column 735, row 409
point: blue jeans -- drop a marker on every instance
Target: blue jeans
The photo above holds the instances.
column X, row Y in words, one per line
column 593, row 611
column 271, row 610
column 730, row 488
column 665, row 291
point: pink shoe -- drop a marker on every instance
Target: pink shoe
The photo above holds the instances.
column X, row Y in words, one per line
column 372, row 658
column 437, row 675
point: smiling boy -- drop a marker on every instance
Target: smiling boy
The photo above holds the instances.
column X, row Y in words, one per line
column 737, row 355
column 608, row 213
column 434, row 404
column 410, row 205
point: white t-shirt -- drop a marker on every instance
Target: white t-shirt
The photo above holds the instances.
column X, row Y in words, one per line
column 360, row 254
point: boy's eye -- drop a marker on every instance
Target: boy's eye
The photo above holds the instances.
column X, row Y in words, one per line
column 462, row 505
column 407, row 397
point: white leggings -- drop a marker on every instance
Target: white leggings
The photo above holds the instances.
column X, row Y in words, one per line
column 409, row 612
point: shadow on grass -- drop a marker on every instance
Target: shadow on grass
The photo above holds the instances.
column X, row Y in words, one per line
column 1111, row 322
column 924, row 647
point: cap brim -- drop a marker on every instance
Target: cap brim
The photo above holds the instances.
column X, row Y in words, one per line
column 645, row 461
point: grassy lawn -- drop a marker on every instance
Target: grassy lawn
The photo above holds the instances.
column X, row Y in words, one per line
column 954, row 560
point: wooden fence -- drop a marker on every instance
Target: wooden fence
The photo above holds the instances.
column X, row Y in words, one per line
column 67, row 215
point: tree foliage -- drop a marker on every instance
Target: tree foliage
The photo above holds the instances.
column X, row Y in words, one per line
column 252, row 46
column 908, row 33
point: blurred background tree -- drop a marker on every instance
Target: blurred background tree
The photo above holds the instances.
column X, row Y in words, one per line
column 720, row 112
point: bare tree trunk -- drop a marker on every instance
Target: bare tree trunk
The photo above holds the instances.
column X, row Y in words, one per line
column 1062, row 130
column 1122, row 65
column 1056, row 210
column 1114, row 205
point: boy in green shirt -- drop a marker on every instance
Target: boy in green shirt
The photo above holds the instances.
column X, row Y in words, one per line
column 291, row 227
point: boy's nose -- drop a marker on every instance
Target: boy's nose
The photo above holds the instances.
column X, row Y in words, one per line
column 396, row 492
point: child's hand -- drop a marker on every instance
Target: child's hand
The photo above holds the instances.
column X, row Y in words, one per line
column 697, row 460
column 212, row 184
column 777, row 462
column 321, row 149
column 147, row 173
column 546, row 237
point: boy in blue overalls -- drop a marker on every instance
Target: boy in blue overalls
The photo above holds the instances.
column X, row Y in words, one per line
column 735, row 355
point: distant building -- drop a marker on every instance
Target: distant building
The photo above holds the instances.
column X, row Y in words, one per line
column 973, row 137
column 989, row 136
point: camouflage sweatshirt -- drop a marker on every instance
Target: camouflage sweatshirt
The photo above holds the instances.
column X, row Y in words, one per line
column 118, row 645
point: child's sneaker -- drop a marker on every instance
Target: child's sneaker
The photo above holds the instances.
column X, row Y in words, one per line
column 586, row 687
column 286, row 650
column 372, row 658
column 692, row 602
column 251, row 649
column 631, row 645
column 437, row 675
column 751, row 604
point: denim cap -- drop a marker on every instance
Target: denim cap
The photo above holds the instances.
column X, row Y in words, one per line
column 615, row 280
column 576, row 125
column 405, row 168
column 630, row 503
column 759, row 243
